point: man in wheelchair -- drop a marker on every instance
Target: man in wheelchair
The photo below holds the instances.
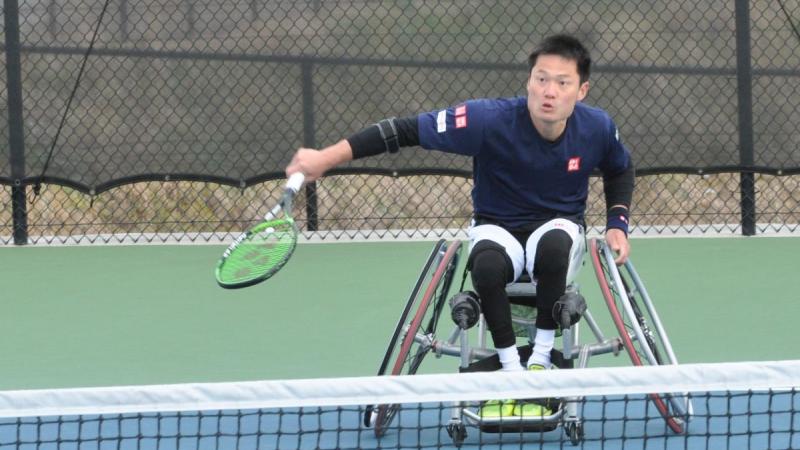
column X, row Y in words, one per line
column 532, row 159
column 550, row 252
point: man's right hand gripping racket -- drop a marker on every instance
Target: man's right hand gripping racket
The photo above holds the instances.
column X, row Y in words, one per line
column 262, row 251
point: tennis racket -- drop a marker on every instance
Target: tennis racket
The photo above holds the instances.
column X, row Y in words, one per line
column 264, row 249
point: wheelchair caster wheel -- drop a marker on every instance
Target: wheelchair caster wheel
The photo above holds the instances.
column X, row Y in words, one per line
column 457, row 432
column 574, row 431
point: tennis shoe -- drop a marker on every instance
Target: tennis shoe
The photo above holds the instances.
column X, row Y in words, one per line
column 532, row 408
column 495, row 409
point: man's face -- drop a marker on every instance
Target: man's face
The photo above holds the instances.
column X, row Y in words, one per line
column 553, row 89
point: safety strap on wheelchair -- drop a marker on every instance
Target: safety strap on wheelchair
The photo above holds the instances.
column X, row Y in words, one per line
column 463, row 278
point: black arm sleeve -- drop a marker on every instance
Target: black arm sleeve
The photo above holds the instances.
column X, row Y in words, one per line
column 618, row 188
column 372, row 141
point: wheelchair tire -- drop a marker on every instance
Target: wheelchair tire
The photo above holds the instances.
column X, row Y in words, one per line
column 457, row 432
column 639, row 327
column 404, row 348
column 574, row 431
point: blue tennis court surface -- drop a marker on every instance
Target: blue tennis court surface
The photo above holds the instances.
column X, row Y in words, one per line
column 735, row 421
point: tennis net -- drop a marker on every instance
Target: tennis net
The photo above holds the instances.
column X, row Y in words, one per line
column 732, row 405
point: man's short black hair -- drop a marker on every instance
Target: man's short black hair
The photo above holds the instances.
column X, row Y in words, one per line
column 567, row 47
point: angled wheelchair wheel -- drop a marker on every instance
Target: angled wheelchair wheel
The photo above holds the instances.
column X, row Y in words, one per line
column 414, row 333
column 639, row 326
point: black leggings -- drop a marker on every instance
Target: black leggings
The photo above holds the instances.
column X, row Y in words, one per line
column 491, row 270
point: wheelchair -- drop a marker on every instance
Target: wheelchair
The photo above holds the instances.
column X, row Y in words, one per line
column 638, row 327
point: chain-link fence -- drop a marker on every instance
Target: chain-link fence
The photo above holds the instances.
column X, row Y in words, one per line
column 187, row 111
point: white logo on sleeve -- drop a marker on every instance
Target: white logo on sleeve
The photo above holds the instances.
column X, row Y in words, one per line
column 441, row 121
column 616, row 133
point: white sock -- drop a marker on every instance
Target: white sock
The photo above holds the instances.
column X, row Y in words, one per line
column 542, row 345
column 509, row 358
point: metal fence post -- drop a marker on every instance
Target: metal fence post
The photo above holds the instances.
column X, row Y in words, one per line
column 16, row 140
column 744, row 83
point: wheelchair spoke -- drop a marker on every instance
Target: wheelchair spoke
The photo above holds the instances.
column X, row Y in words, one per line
column 645, row 345
column 415, row 334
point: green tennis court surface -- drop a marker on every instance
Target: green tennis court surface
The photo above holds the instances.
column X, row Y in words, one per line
column 147, row 315
column 123, row 315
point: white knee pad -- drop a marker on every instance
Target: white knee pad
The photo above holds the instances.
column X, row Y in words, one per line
column 576, row 252
column 503, row 238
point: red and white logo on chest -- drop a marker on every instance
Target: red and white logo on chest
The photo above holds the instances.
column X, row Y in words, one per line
column 574, row 164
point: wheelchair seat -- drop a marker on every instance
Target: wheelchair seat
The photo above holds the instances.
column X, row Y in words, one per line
column 522, row 290
column 522, row 296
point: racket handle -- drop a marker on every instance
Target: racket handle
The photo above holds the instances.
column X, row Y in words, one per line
column 295, row 182
column 293, row 185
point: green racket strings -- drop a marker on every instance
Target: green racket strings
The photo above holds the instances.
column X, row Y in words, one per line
column 263, row 251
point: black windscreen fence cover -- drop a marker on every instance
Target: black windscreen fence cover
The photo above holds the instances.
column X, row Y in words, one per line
column 227, row 91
